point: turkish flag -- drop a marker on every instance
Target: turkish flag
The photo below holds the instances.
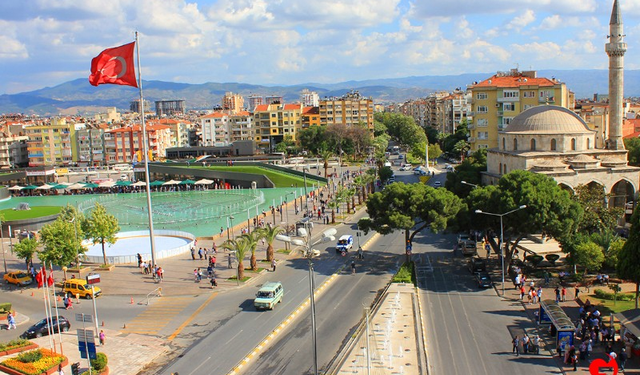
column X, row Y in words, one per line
column 50, row 280
column 39, row 278
column 115, row 66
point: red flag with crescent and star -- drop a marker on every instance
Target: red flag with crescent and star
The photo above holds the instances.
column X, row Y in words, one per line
column 114, row 66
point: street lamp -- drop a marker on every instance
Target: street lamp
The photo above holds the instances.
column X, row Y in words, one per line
column 502, row 235
column 305, row 234
column 306, row 196
column 469, row 183
column 231, row 221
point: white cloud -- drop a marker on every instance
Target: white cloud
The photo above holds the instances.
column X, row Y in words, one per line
column 521, row 20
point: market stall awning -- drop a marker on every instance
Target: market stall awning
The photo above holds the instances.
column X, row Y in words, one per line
column 630, row 319
column 107, row 184
column 139, row 183
column 204, row 181
column 157, row 183
column 171, row 182
column 187, row 182
column 91, row 185
column 123, row 183
column 44, row 187
column 77, row 186
column 16, row 187
column 30, row 187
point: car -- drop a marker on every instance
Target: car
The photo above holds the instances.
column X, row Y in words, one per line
column 406, row 167
column 387, row 164
column 42, row 327
column 462, row 238
column 469, row 248
column 483, row 280
column 421, row 172
column 269, row 295
column 79, row 288
column 437, row 184
column 19, row 278
column 124, row 177
column 477, row 265
column 345, row 243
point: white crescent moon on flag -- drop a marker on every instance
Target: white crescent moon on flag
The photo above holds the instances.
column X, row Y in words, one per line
column 123, row 65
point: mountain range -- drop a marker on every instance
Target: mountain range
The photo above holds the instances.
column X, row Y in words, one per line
column 79, row 97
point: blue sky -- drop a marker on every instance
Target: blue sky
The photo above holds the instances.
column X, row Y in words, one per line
column 47, row 42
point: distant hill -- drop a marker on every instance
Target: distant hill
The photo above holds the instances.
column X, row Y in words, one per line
column 78, row 95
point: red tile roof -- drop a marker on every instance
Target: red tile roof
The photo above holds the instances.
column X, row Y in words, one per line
column 215, row 115
column 515, row 81
column 288, row 107
column 242, row 113
column 311, row 110
column 261, row 108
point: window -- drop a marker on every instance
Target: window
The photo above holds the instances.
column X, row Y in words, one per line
column 483, row 109
column 511, row 94
column 533, row 144
column 573, row 144
column 500, row 167
column 588, row 143
column 483, row 135
column 554, row 145
column 509, row 107
column 483, row 146
column 515, row 144
column 529, row 94
column 483, row 122
column 481, row 95
column 504, row 143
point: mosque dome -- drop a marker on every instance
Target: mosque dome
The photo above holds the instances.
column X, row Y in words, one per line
column 548, row 119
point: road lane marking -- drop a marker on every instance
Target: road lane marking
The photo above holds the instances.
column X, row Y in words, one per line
column 202, row 364
column 186, row 322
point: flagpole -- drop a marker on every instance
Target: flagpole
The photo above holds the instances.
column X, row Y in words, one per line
column 55, row 302
column 146, row 157
column 46, row 310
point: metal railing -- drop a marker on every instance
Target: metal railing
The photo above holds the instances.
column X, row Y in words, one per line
column 157, row 292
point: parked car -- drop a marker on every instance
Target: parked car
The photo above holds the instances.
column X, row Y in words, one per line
column 477, row 265
column 42, row 327
column 437, row 184
column 19, row 278
column 469, row 248
column 406, row 167
column 483, row 280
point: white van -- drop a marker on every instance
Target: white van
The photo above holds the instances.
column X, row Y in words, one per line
column 345, row 243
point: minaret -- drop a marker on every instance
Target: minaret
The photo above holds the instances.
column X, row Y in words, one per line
column 616, row 49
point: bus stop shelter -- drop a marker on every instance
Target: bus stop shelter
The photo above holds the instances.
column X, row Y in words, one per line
column 560, row 326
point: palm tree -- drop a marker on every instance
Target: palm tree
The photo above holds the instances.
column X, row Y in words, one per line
column 252, row 239
column 239, row 246
column 325, row 156
column 269, row 233
column 461, row 147
column 360, row 183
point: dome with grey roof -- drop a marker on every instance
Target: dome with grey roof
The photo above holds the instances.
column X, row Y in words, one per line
column 548, row 119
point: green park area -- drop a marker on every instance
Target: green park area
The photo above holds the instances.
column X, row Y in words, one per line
column 37, row 211
column 280, row 179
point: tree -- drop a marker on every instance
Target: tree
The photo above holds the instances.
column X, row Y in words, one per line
column 461, row 147
column 434, row 151
column 312, row 139
column 385, row 174
column 60, row 245
column 633, row 146
column 25, row 249
column 102, row 228
column 588, row 255
column 269, row 234
column 360, row 138
column 550, row 210
column 610, row 244
column 468, row 171
column 629, row 257
column 408, row 206
column 71, row 214
column 252, row 240
column 239, row 246
column 597, row 216
column 325, row 156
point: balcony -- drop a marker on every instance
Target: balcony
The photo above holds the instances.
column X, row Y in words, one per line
column 544, row 99
column 508, row 100
column 472, row 139
column 471, row 126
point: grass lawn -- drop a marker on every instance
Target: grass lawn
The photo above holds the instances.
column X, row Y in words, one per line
column 279, row 179
column 606, row 307
column 37, row 211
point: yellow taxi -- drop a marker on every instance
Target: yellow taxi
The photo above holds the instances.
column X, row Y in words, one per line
column 80, row 288
column 18, row 277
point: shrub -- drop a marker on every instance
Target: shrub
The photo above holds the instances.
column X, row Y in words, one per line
column 552, row 258
column 5, row 307
column 30, row 357
column 14, row 344
column 405, row 274
column 610, row 296
column 100, row 362
column 47, row 361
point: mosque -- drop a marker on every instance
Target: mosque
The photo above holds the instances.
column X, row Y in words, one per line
column 555, row 141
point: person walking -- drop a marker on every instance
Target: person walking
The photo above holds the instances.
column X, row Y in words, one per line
column 200, row 253
column 576, row 292
column 273, row 265
column 213, row 259
column 193, row 253
column 102, row 337
column 622, row 358
column 563, row 293
column 557, row 291
column 139, row 260
column 11, row 321
column 195, row 275
column 353, row 266
column 60, row 370
column 516, row 346
column 205, row 253
column 213, row 281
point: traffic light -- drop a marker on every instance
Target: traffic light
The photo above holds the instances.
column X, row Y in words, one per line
column 75, row 368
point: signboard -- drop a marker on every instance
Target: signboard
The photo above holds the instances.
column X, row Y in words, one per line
column 41, row 173
column 543, row 317
column 84, row 318
column 87, row 347
column 93, row 279
column 565, row 340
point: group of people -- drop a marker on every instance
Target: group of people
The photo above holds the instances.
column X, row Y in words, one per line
column 529, row 344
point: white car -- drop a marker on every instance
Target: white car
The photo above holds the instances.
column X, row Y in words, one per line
column 437, row 184
column 406, row 167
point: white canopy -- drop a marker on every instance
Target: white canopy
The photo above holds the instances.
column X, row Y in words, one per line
column 204, row 181
column 44, row 187
column 139, row 183
column 77, row 186
column 171, row 182
column 108, row 184
column 16, row 187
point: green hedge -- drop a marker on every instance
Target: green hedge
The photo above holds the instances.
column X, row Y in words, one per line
column 5, row 307
column 405, row 274
column 17, row 343
column 609, row 296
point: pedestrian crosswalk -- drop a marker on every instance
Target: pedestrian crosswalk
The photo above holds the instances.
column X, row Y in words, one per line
column 157, row 316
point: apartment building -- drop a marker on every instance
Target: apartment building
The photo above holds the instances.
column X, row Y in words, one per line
column 241, row 127
column 274, row 122
column 350, row 109
column 309, row 98
column 232, row 103
column 124, row 145
column 170, row 107
column 214, row 129
column 498, row 99
column 310, row 117
column 52, row 143
column 91, row 145
column 14, row 150
column 178, row 129
column 254, row 101
column 457, row 107
column 415, row 108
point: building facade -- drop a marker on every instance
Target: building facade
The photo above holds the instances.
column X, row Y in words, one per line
column 125, row 145
column 497, row 100
column 309, row 98
column 215, row 129
column 170, row 107
column 232, row 103
column 52, row 144
column 350, row 110
column 275, row 122
column 91, row 146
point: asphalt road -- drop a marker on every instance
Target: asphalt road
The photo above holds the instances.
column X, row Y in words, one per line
column 218, row 339
column 338, row 311
column 469, row 330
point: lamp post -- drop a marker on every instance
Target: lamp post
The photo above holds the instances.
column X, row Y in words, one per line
column 502, row 235
column 306, row 196
column 231, row 221
column 305, row 233
column 469, row 183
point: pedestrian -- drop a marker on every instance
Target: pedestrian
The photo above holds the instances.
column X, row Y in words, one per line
column 525, row 344
column 139, row 260
column 563, row 292
column 546, row 277
column 160, row 274
column 213, row 282
column 60, row 370
column 11, row 321
column 229, row 260
column 195, row 275
column 574, row 359
column 213, row 259
column 273, row 265
column 101, row 336
column 539, row 293
column 200, row 253
column 69, row 305
column 210, row 270
column 353, row 266
column 576, row 292
column 557, row 291
column 522, row 292
column 622, row 358
column 221, row 231
column 193, row 253
column 536, row 344
column 516, row 346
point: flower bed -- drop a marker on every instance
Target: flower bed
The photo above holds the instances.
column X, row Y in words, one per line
column 15, row 346
column 35, row 362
